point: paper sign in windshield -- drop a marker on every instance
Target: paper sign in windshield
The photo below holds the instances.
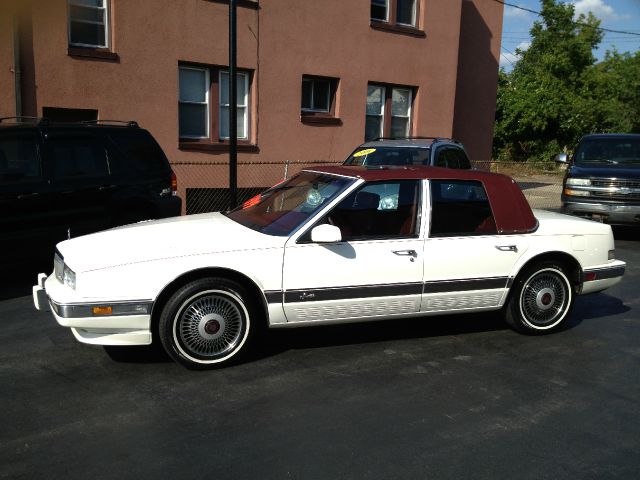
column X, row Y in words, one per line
column 364, row 152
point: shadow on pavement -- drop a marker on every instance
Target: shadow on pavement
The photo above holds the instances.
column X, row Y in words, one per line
column 626, row 233
column 18, row 280
column 279, row 340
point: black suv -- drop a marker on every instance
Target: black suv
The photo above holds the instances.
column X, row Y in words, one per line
column 434, row 151
column 61, row 180
column 603, row 179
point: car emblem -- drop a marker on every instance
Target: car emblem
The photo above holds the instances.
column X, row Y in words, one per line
column 307, row 296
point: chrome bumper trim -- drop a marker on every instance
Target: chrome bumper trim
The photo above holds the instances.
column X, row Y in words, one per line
column 606, row 272
column 84, row 310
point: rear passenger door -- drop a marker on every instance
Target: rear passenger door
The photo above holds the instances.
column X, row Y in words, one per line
column 81, row 183
column 466, row 263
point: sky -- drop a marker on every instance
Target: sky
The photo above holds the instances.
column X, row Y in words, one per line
column 621, row 15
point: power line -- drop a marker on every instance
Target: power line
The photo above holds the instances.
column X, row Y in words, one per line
column 575, row 23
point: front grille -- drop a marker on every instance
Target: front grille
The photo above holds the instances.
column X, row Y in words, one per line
column 617, row 189
column 615, row 183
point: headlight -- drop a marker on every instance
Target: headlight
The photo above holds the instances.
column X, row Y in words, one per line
column 583, row 182
column 69, row 277
column 62, row 272
column 58, row 267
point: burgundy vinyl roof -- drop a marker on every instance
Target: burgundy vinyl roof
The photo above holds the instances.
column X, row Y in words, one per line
column 511, row 210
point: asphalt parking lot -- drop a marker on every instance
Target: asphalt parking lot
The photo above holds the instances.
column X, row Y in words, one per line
column 445, row 397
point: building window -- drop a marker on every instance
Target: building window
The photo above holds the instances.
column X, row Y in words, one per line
column 395, row 12
column 194, row 103
column 89, row 23
column 203, row 104
column 56, row 114
column 388, row 111
column 318, row 100
column 242, row 91
column 379, row 10
column 316, row 94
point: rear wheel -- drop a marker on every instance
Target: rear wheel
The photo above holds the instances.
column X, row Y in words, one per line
column 541, row 299
column 208, row 322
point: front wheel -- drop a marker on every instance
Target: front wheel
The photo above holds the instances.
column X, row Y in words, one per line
column 206, row 323
column 541, row 299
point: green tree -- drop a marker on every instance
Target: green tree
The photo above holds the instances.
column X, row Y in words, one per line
column 541, row 107
column 613, row 86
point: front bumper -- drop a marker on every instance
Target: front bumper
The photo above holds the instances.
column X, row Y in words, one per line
column 614, row 214
column 128, row 324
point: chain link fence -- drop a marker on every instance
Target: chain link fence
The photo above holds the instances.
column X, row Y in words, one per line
column 541, row 183
column 206, row 184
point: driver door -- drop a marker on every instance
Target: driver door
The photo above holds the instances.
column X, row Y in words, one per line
column 377, row 268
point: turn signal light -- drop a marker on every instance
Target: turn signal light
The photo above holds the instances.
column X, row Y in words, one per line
column 102, row 310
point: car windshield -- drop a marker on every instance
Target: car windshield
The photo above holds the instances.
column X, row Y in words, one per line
column 389, row 156
column 283, row 208
column 623, row 152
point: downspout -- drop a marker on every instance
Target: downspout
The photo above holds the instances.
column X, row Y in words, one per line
column 17, row 71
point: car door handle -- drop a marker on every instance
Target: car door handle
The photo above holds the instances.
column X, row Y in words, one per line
column 406, row 253
column 507, row 248
column 28, row 195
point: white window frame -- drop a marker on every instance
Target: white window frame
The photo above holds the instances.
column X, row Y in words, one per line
column 206, row 102
column 244, row 104
column 387, row 92
column 382, row 107
column 107, row 16
column 408, row 116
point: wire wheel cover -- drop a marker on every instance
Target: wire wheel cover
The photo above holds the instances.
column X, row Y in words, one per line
column 210, row 325
column 544, row 298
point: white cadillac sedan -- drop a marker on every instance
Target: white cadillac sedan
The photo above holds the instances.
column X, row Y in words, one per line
column 332, row 244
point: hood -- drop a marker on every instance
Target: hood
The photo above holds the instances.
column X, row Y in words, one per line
column 168, row 238
column 605, row 171
column 552, row 223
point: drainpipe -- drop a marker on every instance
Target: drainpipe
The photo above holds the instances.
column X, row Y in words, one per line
column 233, row 106
column 17, row 72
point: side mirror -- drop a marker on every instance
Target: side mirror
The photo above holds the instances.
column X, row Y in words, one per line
column 326, row 233
column 562, row 158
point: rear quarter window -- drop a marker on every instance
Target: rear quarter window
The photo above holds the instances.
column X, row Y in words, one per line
column 460, row 208
column 141, row 153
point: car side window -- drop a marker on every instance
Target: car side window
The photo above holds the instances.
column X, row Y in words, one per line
column 78, row 158
column 378, row 211
column 441, row 158
column 19, row 160
column 144, row 155
column 460, row 208
column 458, row 159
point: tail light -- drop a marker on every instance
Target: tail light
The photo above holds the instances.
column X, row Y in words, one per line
column 174, row 183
